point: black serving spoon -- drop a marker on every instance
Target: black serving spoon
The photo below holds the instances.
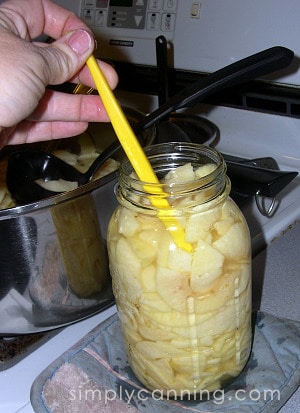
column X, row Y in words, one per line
column 25, row 168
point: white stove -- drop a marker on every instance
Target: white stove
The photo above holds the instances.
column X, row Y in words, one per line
column 16, row 381
column 244, row 132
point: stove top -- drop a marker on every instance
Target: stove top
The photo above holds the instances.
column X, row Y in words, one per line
column 242, row 134
column 15, row 349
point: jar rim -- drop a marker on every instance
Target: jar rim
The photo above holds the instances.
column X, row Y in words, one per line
column 200, row 191
column 173, row 154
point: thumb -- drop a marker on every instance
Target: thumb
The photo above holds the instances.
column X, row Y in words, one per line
column 67, row 55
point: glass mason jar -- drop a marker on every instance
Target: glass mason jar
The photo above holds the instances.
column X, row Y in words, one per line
column 184, row 310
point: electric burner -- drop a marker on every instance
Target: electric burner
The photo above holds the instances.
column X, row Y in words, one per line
column 15, row 349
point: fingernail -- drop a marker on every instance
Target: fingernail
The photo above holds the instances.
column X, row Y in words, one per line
column 80, row 41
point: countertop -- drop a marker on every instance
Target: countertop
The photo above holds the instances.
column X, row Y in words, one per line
column 276, row 286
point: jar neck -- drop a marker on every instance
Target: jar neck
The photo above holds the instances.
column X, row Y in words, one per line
column 201, row 182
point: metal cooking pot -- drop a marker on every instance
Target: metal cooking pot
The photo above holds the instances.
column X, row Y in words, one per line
column 53, row 260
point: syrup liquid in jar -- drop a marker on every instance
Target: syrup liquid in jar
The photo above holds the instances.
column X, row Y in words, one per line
column 185, row 313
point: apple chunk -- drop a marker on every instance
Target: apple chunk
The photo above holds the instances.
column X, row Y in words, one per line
column 200, row 224
column 184, row 173
column 206, row 267
column 173, row 287
column 234, row 244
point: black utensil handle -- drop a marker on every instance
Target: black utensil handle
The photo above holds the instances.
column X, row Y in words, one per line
column 251, row 179
column 162, row 69
column 259, row 64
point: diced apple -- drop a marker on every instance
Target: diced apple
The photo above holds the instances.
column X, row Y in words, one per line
column 128, row 224
column 126, row 279
column 150, row 236
column 223, row 226
column 168, row 319
column 199, row 225
column 125, row 253
column 184, row 173
column 132, row 336
column 216, row 298
column 164, row 249
column 173, row 287
column 180, row 260
column 205, row 170
column 223, row 344
column 155, row 334
column 223, row 321
column 229, row 210
column 245, row 276
column 128, row 316
column 206, row 267
column 149, row 222
column 174, row 321
column 148, row 279
column 185, row 364
column 159, row 349
column 144, row 252
column 154, row 301
column 235, row 243
column 66, row 156
column 87, row 145
column 157, row 373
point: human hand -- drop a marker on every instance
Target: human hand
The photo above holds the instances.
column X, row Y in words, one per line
column 28, row 111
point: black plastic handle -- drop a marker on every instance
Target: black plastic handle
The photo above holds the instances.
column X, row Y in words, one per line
column 162, row 69
column 257, row 65
column 250, row 180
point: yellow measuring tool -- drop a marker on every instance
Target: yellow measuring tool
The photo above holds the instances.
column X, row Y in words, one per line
column 134, row 151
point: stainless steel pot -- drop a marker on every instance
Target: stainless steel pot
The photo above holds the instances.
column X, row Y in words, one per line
column 53, row 260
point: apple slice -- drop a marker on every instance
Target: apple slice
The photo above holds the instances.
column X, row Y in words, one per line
column 206, row 267
column 128, row 224
column 148, row 278
column 154, row 334
column 145, row 252
column 200, row 224
column 234, row 244
column 154, row 301
column 184, row 173
column 158, row 371
column 158, row 350
column 180, row 260
column 173, row 287
column 126, row 278
column 205, row 170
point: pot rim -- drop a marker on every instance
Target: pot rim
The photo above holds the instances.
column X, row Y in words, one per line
column 58, row 199
column 81, row 190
